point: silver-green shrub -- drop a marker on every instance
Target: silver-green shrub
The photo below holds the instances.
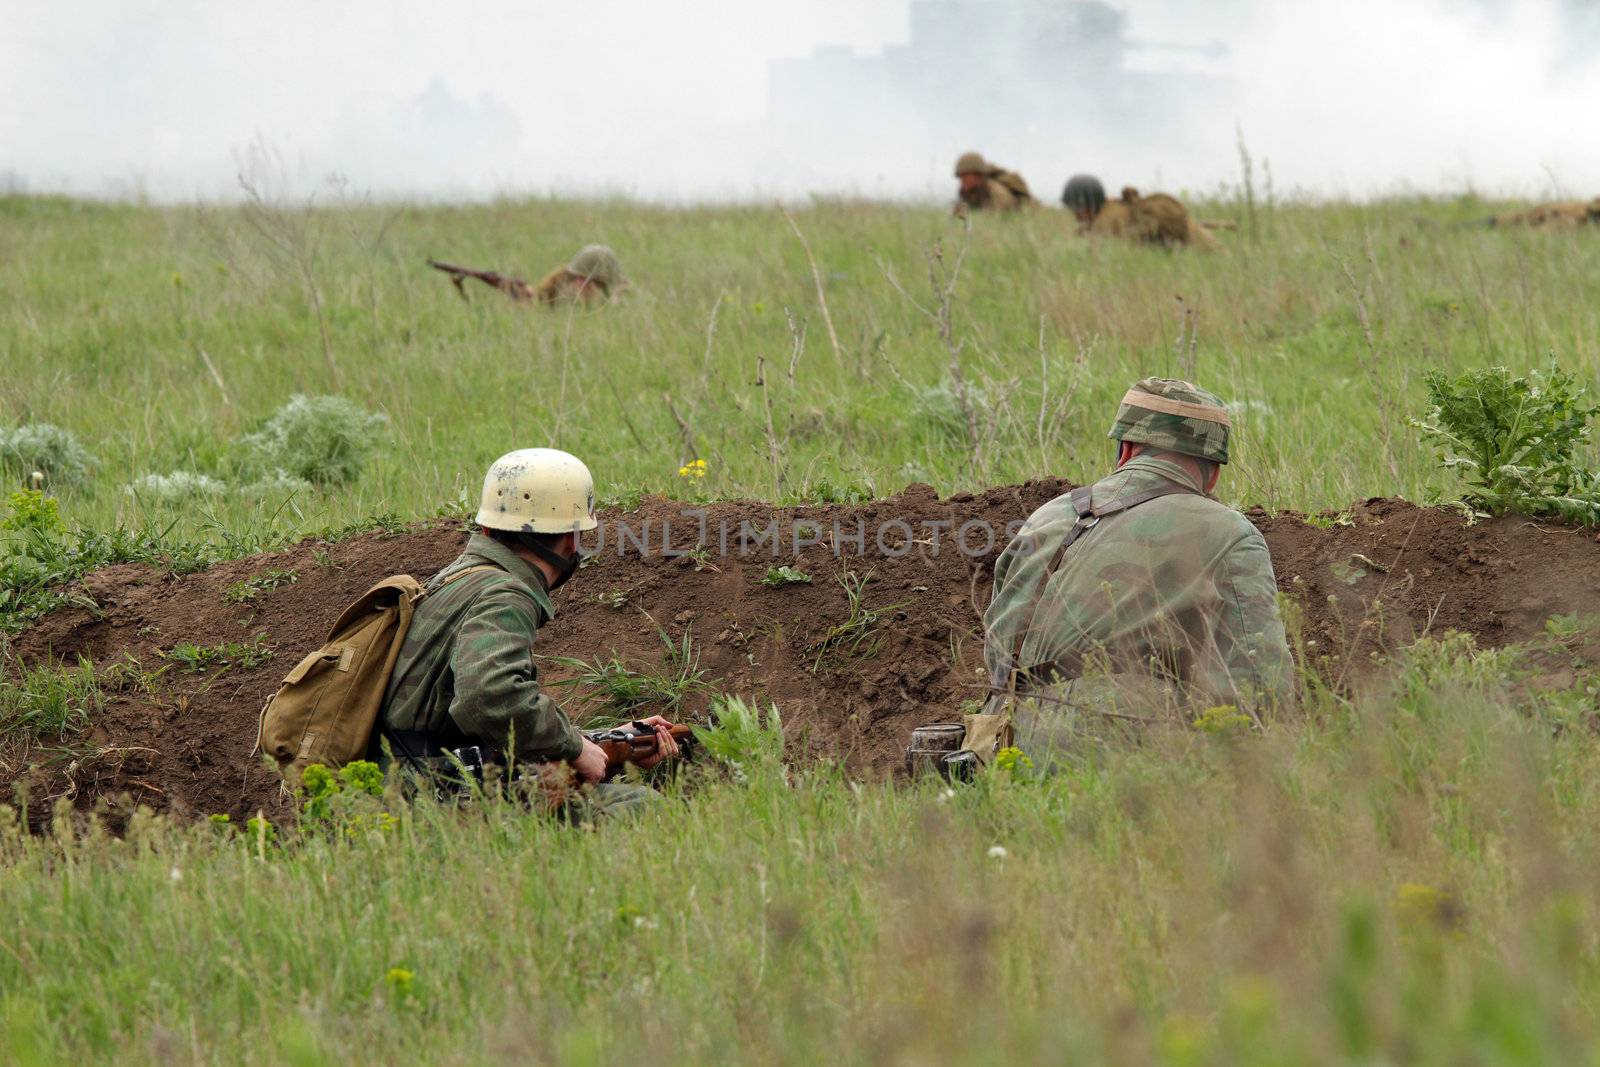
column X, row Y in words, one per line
column 324, row 440
column 48, row 449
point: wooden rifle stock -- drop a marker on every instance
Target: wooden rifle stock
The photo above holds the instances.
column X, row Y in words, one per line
column 515, row 288
column 634, row 741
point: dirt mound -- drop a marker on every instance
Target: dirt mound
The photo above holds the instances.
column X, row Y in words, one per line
column 1368, row 580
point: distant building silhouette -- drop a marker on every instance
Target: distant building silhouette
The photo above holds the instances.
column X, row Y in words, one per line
column 1012, row 78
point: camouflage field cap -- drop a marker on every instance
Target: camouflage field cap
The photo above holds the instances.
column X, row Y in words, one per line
column 971, row 163
column 598, row 263
column 1173, row 415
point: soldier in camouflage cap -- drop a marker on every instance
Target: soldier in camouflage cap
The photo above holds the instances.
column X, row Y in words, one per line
column 465, row 675
column 987, row 187
column 1165, row 414
column 594, row 273
column 1140, row 593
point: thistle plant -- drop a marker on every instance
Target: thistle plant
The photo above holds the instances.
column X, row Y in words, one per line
column 1515, row 440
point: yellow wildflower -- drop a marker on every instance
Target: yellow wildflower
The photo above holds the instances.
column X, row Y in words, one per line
column 1012, row 759
column 1222, row 719
column 399, row 982
column 1418, row 904
column 695, row 468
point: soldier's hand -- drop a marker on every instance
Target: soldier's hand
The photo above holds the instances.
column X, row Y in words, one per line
column 666, row 744
column 590, row 764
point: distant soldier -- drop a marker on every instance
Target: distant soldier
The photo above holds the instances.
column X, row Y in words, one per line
column 593, row 274
column 987, row 187
column 1155, row 219
column 1561, row 216
column 1141, row 591
column 465, row 676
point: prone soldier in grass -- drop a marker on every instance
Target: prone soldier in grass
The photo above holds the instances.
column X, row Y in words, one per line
column 1141, row 591
column 592, row 275
column 1153, row 219
column 988, row 187
column 1566, row 214
column 465, row 676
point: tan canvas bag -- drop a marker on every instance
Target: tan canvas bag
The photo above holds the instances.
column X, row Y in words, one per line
column 326, row 708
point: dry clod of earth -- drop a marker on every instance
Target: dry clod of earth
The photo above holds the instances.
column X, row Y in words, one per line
column 185, row 746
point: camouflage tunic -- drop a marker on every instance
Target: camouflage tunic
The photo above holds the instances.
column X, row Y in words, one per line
column 1179, row 587
column 466, row 670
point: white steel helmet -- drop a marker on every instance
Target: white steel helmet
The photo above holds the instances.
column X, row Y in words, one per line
column 538, row 490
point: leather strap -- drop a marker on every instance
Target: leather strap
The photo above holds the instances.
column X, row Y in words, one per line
column 1088, row 515
column 476, row 568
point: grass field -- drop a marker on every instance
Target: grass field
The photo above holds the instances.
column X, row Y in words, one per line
column 1399, row 874
column 1405, row 879
column 159, row 336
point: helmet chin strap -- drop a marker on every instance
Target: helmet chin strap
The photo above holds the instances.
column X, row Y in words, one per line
column 565, row 566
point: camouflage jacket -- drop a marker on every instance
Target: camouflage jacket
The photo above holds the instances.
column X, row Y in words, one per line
column 466, row 670
column 1180, row 585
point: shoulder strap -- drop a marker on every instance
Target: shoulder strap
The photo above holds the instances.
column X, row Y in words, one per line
column 1124, row 503
column 1088, row 515
column 462, row 573
column 540, row 598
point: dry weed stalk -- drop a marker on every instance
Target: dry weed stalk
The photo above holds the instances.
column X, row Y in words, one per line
column 691, row 447
column 816, row 278
column 1053, row 416
column 775, row 453
column 293, row 235
column 1188, row 340
column 942, row 280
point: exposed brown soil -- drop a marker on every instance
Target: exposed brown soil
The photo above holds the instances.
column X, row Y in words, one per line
column 1386, row 573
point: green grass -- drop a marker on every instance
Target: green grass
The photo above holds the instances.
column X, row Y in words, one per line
column 625, row 691
column 777, row 577
column 163, row 336
column 859, row 635
column 48, row 701
column 196, row 659
column 1400, row 874
column 246, row 590
column 1409, row 879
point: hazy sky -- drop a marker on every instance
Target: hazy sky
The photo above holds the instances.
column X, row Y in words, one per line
column 667, row 100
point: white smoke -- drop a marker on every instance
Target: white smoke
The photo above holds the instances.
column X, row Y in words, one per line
column 163, row 98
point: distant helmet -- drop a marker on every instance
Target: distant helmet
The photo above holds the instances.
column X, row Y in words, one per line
column 538, row 490
column 1084, row 193
column 597, row 263
column 1176, row 416
column 971, row 163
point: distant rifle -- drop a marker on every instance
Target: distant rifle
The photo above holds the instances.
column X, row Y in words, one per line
column 634, row 741
column 515, row 288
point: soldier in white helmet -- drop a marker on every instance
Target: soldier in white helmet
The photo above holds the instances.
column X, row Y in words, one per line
column 465, row 675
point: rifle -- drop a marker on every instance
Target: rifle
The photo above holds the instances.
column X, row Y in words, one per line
column 515, row 288
column 634, row 741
